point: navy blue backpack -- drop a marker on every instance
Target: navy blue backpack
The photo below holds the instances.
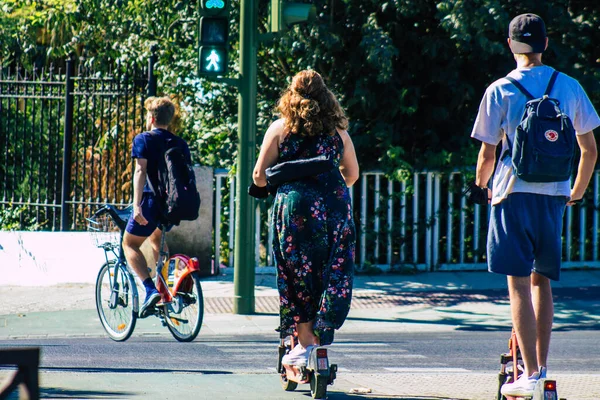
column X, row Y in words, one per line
column 544, row 145
column 176, row 187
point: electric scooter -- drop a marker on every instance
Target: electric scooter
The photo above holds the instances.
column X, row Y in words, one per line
column 511, row 368
column 318, row 372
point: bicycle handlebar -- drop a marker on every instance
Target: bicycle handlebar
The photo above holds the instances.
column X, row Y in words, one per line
column 100, row 211
column 119, row 217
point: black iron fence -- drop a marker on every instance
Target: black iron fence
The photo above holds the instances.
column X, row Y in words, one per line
column 65, row 141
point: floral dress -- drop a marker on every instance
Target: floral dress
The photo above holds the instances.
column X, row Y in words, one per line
column 313, row 241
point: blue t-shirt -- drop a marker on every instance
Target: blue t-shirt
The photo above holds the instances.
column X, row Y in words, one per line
column 151, row 146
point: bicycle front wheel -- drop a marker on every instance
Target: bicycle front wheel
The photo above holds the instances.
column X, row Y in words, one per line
column 184, row 314
column 114, row 301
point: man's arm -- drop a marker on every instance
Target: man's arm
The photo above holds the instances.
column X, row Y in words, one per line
column 485, row 164
column 139, row 180
column 587, row 162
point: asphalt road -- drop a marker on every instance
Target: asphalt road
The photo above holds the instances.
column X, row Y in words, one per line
column 460, row 351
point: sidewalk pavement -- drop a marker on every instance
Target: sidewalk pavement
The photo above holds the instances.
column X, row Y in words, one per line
column 433, row 302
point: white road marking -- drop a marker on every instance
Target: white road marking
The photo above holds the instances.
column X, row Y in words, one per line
column 244, row 344
column 360, row 345
column 386, row 356
column 425, row 370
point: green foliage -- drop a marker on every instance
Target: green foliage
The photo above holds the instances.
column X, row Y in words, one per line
column 410, row 73
column 14, row 218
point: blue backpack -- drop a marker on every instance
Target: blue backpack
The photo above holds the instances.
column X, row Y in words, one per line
column 544, row 145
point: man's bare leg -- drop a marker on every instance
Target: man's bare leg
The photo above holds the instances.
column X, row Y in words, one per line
column 137, row 261
column 524, row 320
column 133, row 254
column 543, row 306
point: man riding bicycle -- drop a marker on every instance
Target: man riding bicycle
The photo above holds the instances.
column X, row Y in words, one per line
column 147, row 151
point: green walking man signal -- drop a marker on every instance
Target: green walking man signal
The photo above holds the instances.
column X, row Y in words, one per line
column 213, row 60
column 213, row 34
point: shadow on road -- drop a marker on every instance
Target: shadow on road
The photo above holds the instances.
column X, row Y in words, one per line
column 574, row 308
column 371, row 396
column 58, row 393
column 135, row 370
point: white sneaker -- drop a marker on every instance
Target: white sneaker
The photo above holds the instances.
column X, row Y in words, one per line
column 298, row 356
column 522, row 387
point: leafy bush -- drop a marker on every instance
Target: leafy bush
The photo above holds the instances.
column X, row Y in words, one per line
column 14, row 218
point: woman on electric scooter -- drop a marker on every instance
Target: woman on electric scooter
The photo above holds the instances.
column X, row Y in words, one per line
column 313, row 228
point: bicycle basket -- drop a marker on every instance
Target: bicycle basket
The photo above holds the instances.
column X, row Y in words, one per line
column 103, row 231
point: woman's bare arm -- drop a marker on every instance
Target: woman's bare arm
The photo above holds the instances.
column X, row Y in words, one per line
column 269, row 152
column 349, row 164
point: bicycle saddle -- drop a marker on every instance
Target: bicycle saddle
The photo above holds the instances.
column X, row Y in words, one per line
column 123, row 215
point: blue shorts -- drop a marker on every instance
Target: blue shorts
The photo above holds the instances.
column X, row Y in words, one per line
column 525, row 235
column 150, row 211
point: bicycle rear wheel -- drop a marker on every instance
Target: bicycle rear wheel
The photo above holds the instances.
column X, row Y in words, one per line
column 184, row 315
column 116, row 312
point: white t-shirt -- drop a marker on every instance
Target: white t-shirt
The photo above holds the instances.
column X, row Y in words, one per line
column 500, row 113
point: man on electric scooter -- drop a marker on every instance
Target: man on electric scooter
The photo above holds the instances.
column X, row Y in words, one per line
column 147, row 149
column 524, row 238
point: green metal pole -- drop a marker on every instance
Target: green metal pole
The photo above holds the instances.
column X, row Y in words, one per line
column 243, row 278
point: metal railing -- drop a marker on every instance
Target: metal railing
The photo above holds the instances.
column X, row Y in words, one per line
column 422, row 223
column 65, row 139
column 224, row 216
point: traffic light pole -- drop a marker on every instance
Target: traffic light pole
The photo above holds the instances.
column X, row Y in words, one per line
column 243, row 280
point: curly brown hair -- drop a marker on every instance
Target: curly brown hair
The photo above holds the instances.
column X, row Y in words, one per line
column 309, row 107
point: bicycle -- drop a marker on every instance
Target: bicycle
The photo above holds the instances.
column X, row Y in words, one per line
column 181, row 308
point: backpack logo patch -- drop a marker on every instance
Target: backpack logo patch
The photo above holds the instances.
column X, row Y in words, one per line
column 551, row 135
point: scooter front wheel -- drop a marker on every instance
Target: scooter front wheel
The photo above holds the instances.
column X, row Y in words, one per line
column 286, row 384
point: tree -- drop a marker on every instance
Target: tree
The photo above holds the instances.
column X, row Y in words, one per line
column 410, row 73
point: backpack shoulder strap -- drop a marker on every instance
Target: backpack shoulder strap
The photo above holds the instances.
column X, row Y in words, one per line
column 520, row 87
column 508, row 151
column 551, row 83
column 162, row 147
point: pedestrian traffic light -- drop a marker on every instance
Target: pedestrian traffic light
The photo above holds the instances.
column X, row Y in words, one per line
column 284, row 14
column 213, row 33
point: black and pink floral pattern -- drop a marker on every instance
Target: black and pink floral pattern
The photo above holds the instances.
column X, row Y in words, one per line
column 314, row 242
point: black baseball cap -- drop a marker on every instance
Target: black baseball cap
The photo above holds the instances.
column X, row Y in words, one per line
column 527, row 33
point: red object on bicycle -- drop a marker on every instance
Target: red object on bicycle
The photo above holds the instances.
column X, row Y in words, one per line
column 173, row 277
column 513, row 344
